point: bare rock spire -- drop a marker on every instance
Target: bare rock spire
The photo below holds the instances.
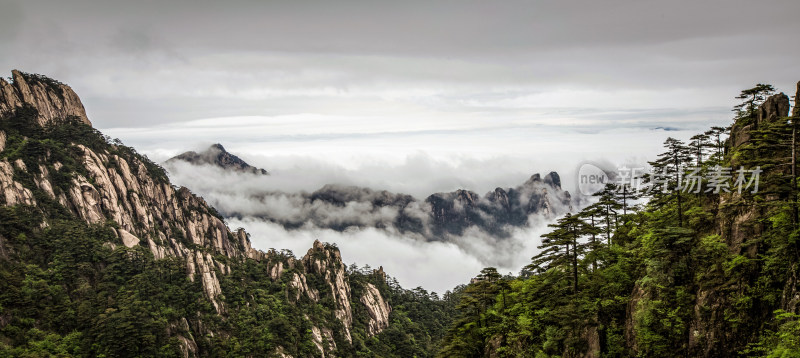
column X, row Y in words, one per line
column 773, row 108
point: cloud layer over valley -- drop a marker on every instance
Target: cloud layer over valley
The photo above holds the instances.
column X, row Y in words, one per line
column 436, row 241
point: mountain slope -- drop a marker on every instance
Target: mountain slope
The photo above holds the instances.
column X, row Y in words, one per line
column 101, row 255
column 216, row 155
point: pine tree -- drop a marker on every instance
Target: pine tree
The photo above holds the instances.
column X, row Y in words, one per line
column 561, row 248
column 753, row 97
column 607, row 209
column 593, row 217
column 698, row 144
column 670, row 165
column 715, row 135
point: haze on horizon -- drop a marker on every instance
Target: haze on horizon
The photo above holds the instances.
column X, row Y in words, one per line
column 409, row 96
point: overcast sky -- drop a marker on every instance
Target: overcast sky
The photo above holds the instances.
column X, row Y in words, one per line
column 359, row 84
column 491, row 77
column 442, row 65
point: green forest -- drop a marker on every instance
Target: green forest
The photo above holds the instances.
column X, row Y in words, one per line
column 688, row 273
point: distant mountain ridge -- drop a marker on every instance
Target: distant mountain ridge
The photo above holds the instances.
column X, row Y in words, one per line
column 217, row 155
column 455, row 211
column 437, row 217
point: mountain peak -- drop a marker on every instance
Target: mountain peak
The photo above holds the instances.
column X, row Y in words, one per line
column 216, row 155
column 553, row 179
column 219, row 147
column 54, row 100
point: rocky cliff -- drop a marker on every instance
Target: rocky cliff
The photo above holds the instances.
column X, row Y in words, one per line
column 63, row 166
column 53, row 100
column 377, row 308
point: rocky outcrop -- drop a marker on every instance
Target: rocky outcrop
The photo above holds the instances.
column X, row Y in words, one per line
column 127, row 238
column 276, row 271
column 53, row 100
column 323, row 339
column 203, row 266
column 455, row 209
column 500, row 197
column 216, row 155
column 244, row 240
column 380, row 274
column 2, row 141
column 182, row 332
column 775, row 107
column 771, row 110
column 741, row 134
column 323, row 265
column 13, row 192
column 301, row 288
column 327, row 263
column 377, row 308
column 553, row 179
column 280, row 352
column 85, row 200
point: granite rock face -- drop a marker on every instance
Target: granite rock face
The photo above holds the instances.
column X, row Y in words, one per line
column 13, row 192
column 773, row 108
column 53, row 100
column 377, row 308
column 327, row 263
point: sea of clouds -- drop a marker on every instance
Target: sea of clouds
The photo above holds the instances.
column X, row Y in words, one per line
column 265, row 204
